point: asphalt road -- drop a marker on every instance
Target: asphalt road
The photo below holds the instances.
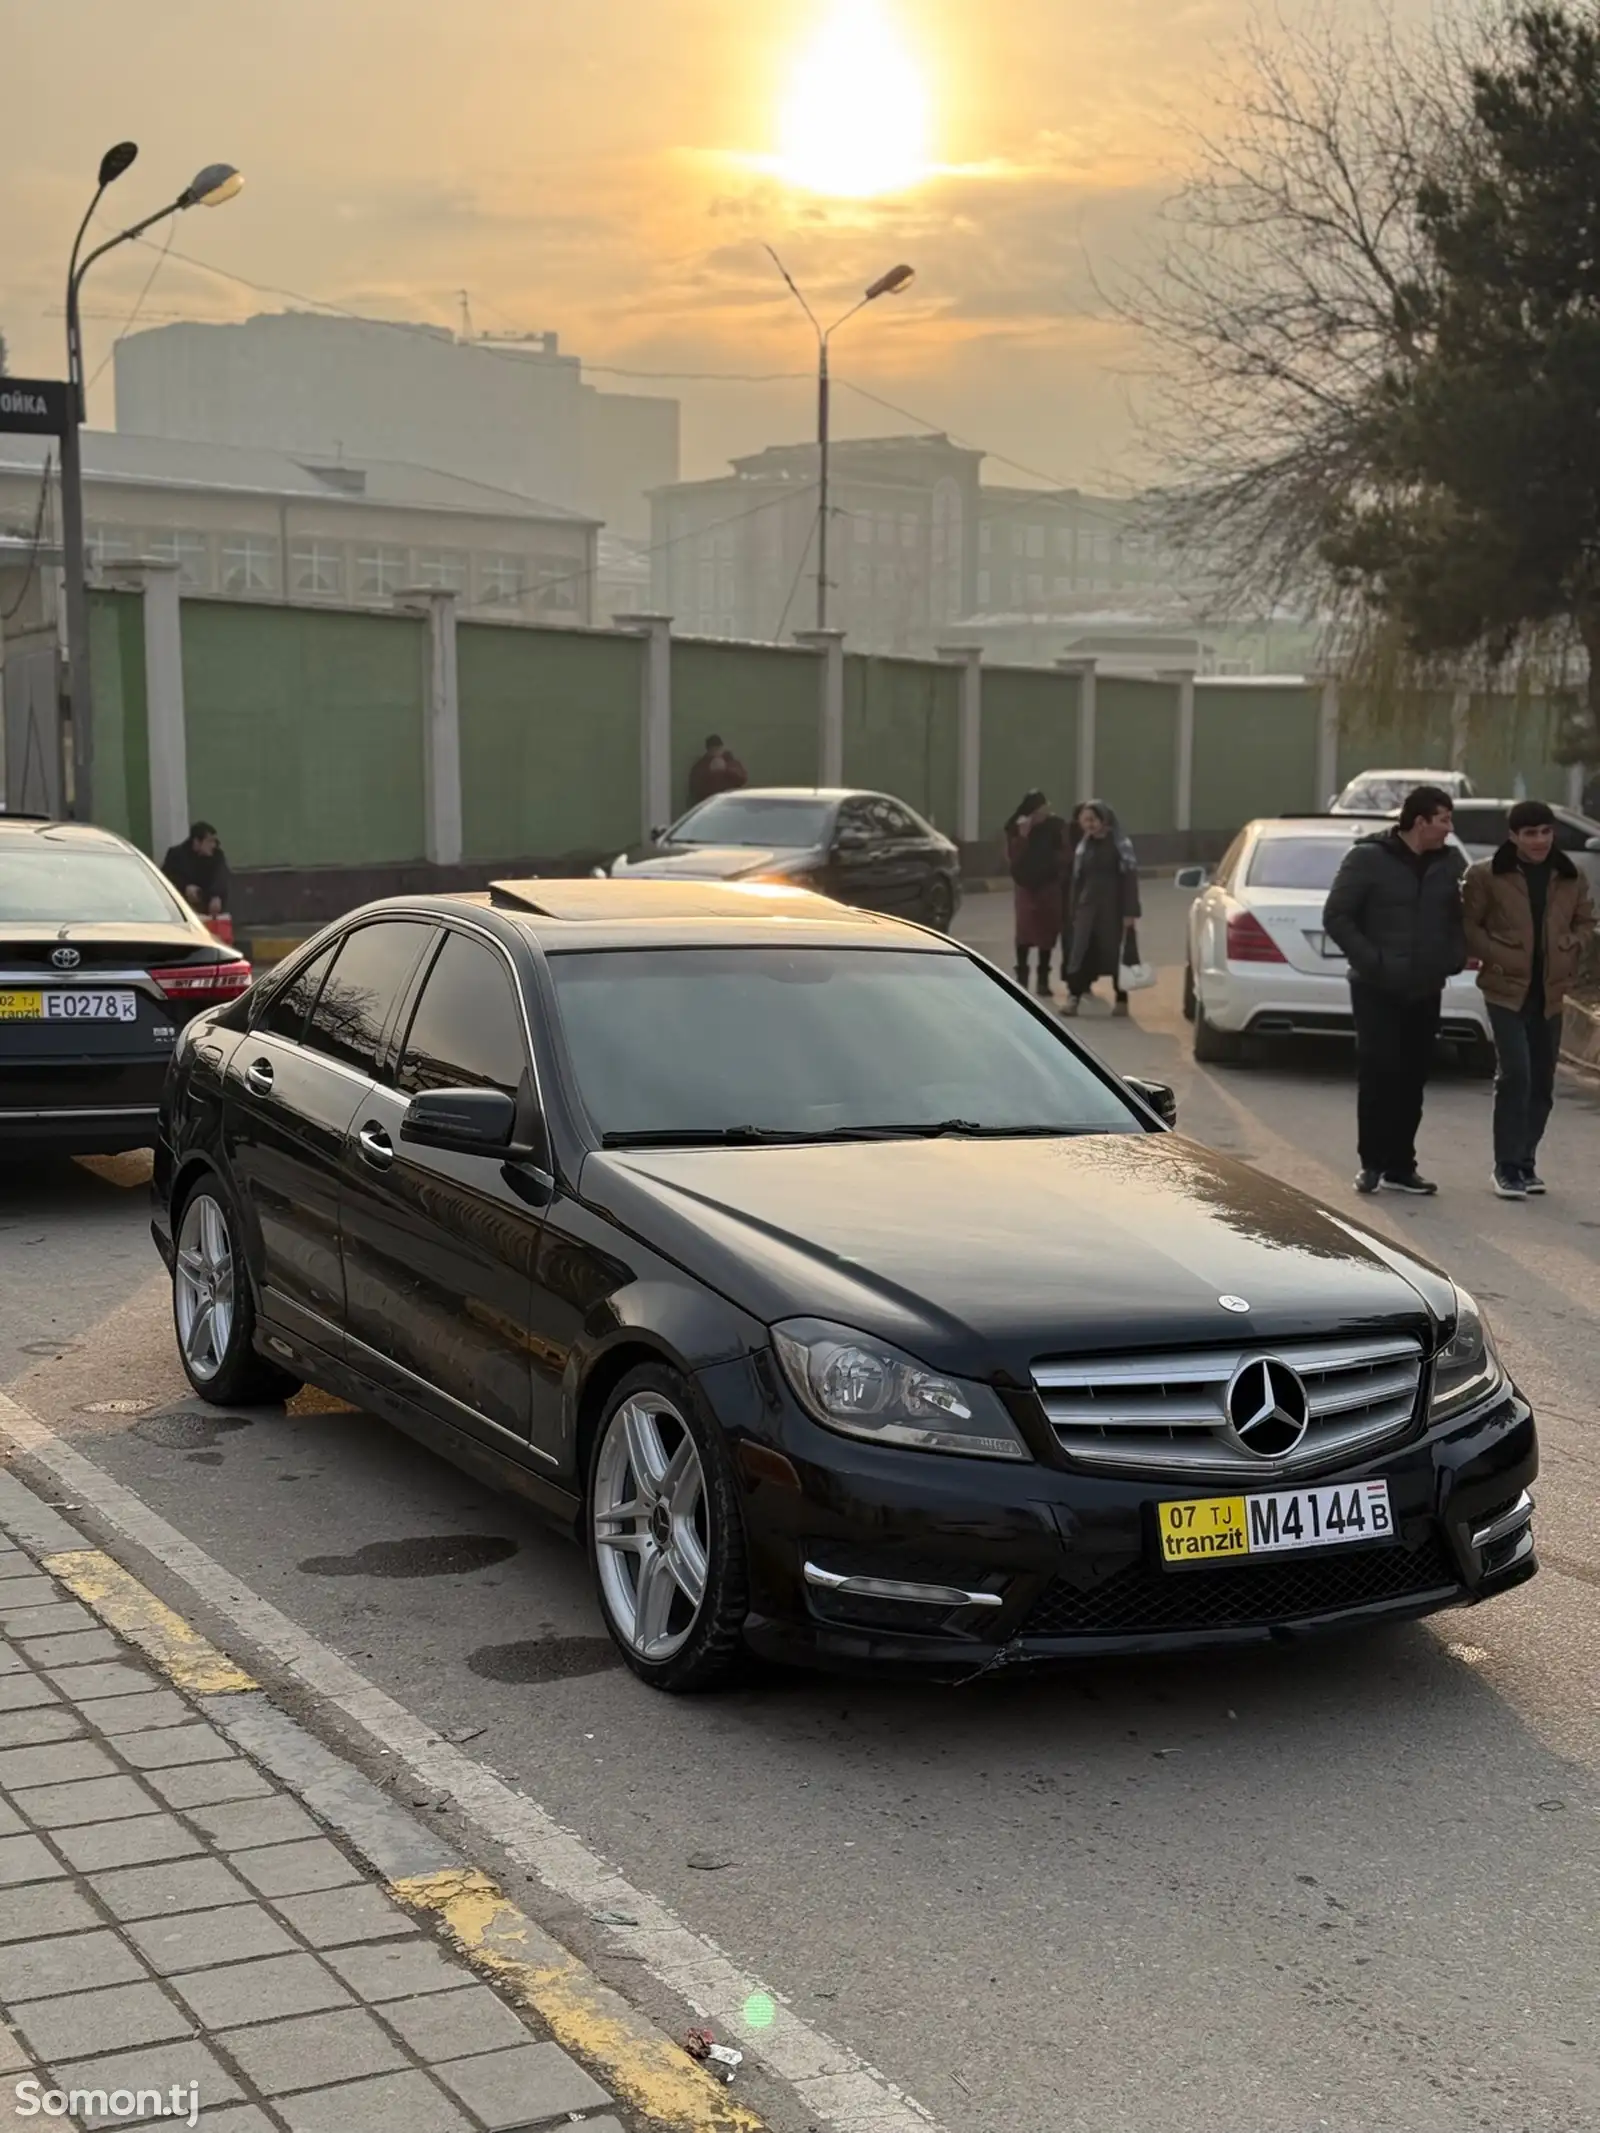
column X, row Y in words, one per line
column 1349, row 1886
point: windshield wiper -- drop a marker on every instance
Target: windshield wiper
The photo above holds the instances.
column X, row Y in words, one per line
column 773, row 1136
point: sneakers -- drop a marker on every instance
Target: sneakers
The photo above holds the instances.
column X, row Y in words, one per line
column 1409, row 1181
column 1071, row 1005
column 1369, row 1181
column 1511, row 1185
column 1532, row 1182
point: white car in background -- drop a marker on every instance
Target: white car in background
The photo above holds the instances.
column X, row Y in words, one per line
column 1382, row 792
column 1259, row 962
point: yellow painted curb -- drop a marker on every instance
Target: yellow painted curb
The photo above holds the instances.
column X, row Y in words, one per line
column 122, row 1602
column 645, row 2068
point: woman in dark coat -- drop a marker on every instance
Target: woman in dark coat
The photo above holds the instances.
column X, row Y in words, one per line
column 1104, row 904
column 1037, row 850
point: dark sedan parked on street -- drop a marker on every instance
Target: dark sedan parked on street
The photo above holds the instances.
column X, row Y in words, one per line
column 845, row 1307
column 101, row 964
column 861, row 848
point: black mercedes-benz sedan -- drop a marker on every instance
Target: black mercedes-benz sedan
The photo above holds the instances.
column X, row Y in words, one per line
column 862, row 848
column 844, row 1306
column 101, row 964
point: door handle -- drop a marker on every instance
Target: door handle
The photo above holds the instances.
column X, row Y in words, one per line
column 376, row 1146
column 258, row 1076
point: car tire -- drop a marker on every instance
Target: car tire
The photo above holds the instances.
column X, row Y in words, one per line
column 941, row 906
column 1188, row 992
column 213, row 1306
column 1213, row 1046
column 662, row 1506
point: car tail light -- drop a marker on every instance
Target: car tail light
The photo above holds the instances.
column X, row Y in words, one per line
column 1474, row 963
column 1250, row 942
column 204, row 981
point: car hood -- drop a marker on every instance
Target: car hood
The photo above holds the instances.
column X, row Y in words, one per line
column 980, row 1256
column 713, row 862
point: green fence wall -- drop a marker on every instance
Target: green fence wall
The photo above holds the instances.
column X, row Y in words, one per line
column 1029, row 738
column 121, row 726
column 1255, row 753
column 550, row 726
column 901, row 732
column 1136, row 751
column 765, row 701
column 305, row 733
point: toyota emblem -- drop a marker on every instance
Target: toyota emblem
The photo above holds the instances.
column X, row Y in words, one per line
column 1267, row 1408
column 65, row 958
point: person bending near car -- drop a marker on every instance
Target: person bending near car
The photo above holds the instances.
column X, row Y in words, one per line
column 1395, row 912
column 1529, row 916
column 198, row 870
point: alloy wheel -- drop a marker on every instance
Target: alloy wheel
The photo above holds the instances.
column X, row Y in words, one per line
column 651, row 1526
column 203, row 1286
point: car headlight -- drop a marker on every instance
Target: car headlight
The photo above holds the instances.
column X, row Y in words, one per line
column 1466, row 1371
column 861, row 1386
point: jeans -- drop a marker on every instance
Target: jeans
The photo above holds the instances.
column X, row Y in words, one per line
column 1394, row 1050
column 1528, row 1043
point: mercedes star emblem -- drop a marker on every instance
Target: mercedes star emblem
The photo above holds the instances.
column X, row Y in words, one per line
column 65, row 958
column 1234, row 1303
column 1267, row 1408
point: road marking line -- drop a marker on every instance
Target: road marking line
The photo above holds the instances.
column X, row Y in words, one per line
column 123, row 1603
column 651, row 2072
column 842, row 2092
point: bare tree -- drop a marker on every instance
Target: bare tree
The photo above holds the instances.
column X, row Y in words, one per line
column 1286, row 284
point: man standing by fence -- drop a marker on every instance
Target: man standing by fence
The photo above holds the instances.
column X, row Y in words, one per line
column 1529, row 916
column 1395, row 911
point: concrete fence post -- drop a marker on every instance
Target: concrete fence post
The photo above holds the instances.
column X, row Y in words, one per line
column 1183, row 766
column 166, row 724
column 969, row 758
column 830, row 710
column 655, row 719
column 441, row 725
column 1088, row 678
column 1327, row 744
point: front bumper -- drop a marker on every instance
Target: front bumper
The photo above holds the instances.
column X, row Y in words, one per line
column 1043, row 1562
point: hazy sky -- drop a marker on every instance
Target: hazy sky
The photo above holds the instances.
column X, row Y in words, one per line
column 611, row 168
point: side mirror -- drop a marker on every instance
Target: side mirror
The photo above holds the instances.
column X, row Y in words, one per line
column 461, row 1121
column 1191, row 877
column 657, row 832
column 1160, row 1097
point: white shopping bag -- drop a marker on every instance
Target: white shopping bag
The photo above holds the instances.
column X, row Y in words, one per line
column 1135, row 977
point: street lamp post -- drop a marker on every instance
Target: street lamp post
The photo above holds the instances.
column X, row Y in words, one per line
column 889, row 284
column 209, row 188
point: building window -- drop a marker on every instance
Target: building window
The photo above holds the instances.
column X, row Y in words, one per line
column 443, row 568
column 1016, row 588
column 983, row 588
column 1035, row 588
column 317, row 568
column 730, row 591
column 1085, row 546
column 381, row 572
column 191, row 552
column 886, row 531
column 109, row 544
column 558, row 584
column 1102, row 548
column 1064, row 544
column 729, row 626
column 985, row 537
column 1019, row 541
column 708, row 585
column 501, row 582
column 249, row 564
column 1035, row 543
column 860, row 574
column 908, row 529
column 863, row 526
column 1063, row 588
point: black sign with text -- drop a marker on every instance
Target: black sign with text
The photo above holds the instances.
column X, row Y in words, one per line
column 36, row 405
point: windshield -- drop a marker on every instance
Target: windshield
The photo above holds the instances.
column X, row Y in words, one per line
column 1376, row 796
column 755, row 819
column 1296, row 862
column 814, row 1041
column 49, row 885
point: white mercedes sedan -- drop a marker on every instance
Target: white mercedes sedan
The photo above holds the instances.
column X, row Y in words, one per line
column 1259, row 963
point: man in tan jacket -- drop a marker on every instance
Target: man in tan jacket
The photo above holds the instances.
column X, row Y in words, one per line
column 1529, row 916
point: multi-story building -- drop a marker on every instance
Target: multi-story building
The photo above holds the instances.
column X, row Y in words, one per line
column 259, row 525
column 1060, row 552
column 737, row 556
column 510, row 411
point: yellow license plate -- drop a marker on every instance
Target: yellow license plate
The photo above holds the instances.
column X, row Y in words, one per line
column 21, row 1006
column 1207, row 1529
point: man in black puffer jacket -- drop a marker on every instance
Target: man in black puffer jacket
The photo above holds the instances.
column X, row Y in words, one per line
column 1395, row 910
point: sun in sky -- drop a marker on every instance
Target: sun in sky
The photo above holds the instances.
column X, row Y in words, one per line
column 857, row 117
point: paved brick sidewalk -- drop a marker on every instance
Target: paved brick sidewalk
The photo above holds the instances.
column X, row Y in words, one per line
column 171, row 1915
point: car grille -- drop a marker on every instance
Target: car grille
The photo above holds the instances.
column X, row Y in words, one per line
column 1165, row 1413
column 1241, row 1595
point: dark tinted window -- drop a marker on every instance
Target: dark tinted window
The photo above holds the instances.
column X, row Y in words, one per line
column 1571, row 836
column 368, row 974
column 467, row 1031
column 893, row 820
column 856, row 824
column 1480, row 825
column 286, row 1012
column 1296, row 862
